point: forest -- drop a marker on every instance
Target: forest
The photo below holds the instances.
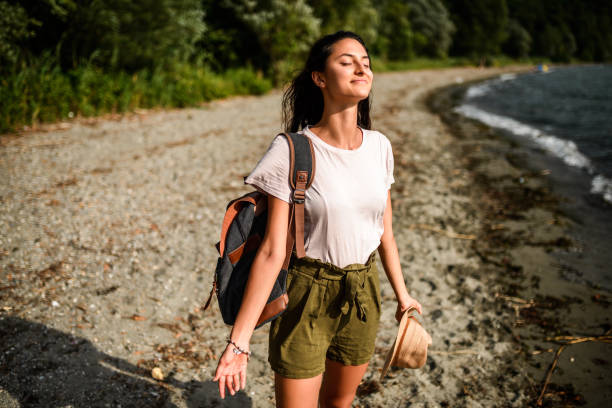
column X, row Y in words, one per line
column 65, row 58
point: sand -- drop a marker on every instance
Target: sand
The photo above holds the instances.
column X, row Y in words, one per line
column 107, row 253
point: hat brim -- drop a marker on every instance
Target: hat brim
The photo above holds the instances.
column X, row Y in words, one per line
column 398, row 340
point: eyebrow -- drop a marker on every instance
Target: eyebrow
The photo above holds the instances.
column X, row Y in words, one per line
column 346, row 54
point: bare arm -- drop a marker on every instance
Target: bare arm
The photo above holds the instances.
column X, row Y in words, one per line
column 389, row 256
column 231, row 369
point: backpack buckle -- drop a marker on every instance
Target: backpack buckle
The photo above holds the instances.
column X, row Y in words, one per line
column 299, row 195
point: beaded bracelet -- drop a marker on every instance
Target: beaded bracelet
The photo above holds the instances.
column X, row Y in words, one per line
column 237, row 350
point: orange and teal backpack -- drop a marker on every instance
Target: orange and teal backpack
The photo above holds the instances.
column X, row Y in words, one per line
column 242, row 232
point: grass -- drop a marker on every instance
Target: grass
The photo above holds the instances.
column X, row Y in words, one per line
column 43, row 93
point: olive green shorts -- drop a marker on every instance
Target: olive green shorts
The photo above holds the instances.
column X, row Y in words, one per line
column 332, row 313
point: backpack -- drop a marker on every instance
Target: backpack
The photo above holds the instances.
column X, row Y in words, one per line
column 242, row 232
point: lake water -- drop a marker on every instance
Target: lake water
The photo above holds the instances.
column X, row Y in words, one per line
column 564, row 118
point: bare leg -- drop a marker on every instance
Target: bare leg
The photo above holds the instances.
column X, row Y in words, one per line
column 340, row 384
column 292, row 393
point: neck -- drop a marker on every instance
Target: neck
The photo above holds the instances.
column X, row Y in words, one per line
column 338, row 127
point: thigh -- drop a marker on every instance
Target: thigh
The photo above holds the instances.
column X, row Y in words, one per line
column 299, row 338
column 296, row 393
column 340, row 384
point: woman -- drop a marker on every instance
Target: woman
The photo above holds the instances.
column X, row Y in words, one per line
column 320, row 346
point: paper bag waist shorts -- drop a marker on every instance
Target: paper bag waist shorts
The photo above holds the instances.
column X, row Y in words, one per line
column 332, row 313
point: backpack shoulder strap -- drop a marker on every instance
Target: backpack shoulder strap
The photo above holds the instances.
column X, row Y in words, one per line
column 301, row 174
column 302, row 163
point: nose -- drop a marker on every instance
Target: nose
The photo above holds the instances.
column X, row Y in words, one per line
column 359, row 68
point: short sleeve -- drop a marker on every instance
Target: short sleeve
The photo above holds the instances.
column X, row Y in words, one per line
column 389, row 164
column 271, row 174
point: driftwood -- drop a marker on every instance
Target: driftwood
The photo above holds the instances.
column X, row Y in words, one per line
column 569, row 340
column 517, row 304
column 449, row 234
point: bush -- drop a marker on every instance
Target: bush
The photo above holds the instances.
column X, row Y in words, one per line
column 41, row 92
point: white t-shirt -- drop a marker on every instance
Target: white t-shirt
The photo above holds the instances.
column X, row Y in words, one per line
column 344, row 206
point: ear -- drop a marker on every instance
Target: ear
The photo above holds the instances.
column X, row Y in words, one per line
column 317, row 78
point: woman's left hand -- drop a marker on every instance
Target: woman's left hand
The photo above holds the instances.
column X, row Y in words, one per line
column 404, row 304
column 231, row 371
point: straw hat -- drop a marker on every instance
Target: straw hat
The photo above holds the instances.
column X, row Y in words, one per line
column 410, row 346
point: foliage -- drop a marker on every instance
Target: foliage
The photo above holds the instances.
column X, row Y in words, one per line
column 14, row 29
column 410, row 28
column 43, row 92
column 118, row 34
column 432, row 26
column 563, row 30
column 229, row 42
column 481, row 27
column 285, row 30
column 518, row 43
column 359, row 16
column 395, row 39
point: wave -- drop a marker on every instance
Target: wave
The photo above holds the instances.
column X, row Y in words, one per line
column 566, row 150
column 478, row 90
column 602, row 185
column 507, row 77
column 484, row 87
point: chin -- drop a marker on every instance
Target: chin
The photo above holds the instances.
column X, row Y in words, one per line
column 362, row 97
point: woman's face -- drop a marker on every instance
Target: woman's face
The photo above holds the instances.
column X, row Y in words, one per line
column 347, row 75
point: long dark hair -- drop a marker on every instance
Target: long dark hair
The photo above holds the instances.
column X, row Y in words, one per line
column 303, row 100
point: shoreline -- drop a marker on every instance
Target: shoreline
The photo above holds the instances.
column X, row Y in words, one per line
column 527, row 229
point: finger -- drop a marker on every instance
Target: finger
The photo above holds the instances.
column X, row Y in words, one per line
column 230, row 384
column 243, row 379
column 222, row 387
column 237, row 382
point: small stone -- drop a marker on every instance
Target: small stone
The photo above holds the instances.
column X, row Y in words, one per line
column 157, row 374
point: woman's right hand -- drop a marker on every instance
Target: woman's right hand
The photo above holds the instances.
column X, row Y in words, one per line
column 231, row 371
column 404, row 305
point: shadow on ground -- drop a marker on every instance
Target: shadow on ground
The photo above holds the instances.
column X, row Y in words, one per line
column 44, row 367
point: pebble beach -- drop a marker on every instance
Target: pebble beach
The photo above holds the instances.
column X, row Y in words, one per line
column 107, row 233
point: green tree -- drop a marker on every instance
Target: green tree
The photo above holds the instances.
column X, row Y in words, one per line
column 518, row 42
column 481, row 27
column 229, row 42
column 285, row 30
column 590, row 22
column 359, row 16
column 432, row 26
column 561, row 44
column 132, row 35
column 14, row 29
column 395, row 35
column 120, row 34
